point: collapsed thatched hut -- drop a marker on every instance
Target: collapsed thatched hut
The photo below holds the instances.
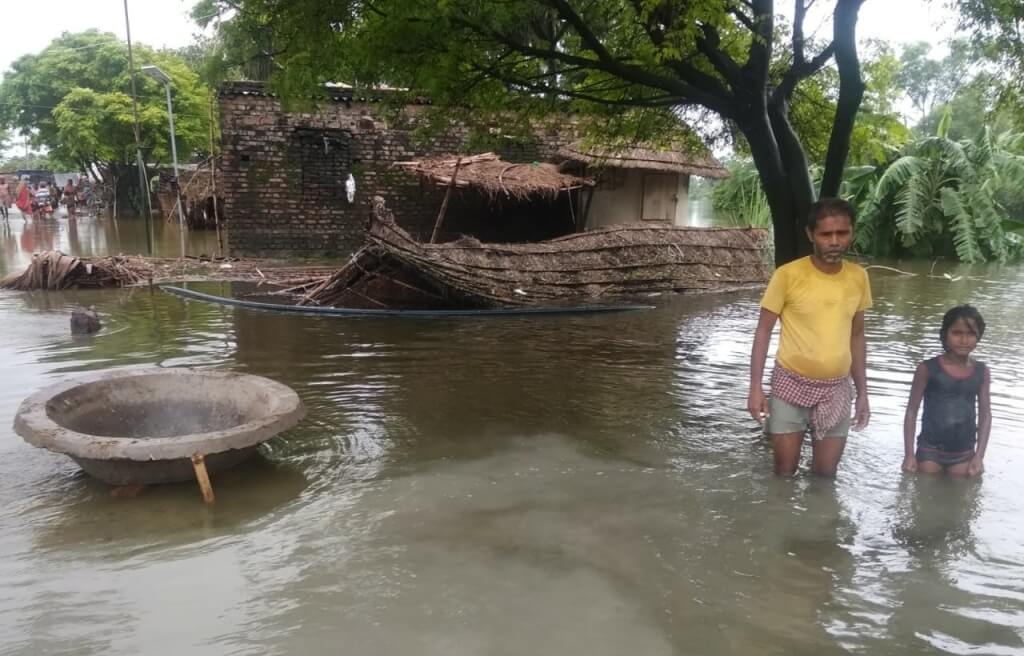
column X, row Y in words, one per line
column 396, row 271
column 642, row 183
column 499, row 201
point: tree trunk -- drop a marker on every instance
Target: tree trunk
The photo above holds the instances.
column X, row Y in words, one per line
column 126, row 189
column 786, row 182
column 851, row 92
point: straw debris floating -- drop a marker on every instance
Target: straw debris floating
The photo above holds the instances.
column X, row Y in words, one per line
column 53, row 270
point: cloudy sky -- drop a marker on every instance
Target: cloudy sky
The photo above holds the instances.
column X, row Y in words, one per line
column 154, row 22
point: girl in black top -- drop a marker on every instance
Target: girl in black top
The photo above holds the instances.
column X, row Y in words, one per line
column 953, row 438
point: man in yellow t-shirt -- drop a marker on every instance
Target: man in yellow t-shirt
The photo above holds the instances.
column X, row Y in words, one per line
column 820, row 300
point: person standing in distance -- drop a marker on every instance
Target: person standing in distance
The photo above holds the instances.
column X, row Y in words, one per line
column 820, row 300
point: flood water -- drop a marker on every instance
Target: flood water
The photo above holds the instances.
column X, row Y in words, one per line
column 542, row 485
column 89, row 237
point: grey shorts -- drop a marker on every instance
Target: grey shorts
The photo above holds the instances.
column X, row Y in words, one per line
column 785, row 417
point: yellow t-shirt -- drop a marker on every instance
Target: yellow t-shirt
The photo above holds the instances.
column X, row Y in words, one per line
column 816, row 310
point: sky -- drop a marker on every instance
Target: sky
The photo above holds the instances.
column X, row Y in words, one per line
column 157, row 23
column 165, row 23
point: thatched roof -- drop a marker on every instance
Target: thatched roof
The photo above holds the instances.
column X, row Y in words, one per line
column 673, row 159
column 488, row 173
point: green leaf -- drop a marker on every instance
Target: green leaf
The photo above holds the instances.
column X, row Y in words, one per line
column 962, row 223
column 897, row 176
column 913, row 203
column 947, row 118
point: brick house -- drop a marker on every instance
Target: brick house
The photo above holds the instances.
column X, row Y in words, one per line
column 283, row 173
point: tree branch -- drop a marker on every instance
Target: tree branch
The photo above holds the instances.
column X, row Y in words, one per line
column 799, row 72
column 800, row 69
column 759, row 55
column 709, row 46
column 851, row 92
column 799, row 13
column 590, row 40
column 546, row 89
column 745, row 20
column 686, row 91
column 681, row 68
column 702, row 83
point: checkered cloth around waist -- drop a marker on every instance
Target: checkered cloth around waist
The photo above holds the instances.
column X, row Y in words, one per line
column 829, row 400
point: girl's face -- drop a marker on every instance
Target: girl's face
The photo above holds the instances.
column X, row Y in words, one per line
column 962, row 337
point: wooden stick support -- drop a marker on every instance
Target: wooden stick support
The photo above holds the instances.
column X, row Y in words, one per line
column 444, row 203
column 203, row 478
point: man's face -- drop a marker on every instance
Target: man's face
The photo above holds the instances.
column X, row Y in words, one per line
column 831, row 237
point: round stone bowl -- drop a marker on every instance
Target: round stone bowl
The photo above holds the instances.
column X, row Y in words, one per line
column 143, row 426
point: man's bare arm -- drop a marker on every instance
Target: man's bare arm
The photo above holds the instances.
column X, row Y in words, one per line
column 858, row 370
column 757, row 404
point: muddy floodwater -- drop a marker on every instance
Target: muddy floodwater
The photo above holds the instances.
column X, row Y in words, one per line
column 543, row 485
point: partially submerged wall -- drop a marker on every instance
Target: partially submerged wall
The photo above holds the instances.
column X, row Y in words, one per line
column 284, row 172
column 620, row 198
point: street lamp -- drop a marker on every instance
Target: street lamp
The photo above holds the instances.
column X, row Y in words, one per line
column 164, row 79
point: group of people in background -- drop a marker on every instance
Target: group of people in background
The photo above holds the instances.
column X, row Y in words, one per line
column 43, row 197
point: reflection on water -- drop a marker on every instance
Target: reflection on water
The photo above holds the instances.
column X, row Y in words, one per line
column 526, row 485
column 92, row 236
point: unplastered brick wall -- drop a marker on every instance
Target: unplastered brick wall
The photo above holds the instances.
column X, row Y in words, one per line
column 284, row 172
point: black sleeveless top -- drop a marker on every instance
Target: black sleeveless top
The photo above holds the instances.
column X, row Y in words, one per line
column 949, row 422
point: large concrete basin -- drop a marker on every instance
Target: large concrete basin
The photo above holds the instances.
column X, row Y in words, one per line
column 143, row 426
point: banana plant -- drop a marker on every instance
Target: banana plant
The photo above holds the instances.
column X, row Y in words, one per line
column 943, row 197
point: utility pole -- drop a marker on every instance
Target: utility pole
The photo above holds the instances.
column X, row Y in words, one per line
column 164, row 79
column 143, row 183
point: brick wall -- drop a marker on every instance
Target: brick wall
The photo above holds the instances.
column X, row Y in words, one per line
column 284, row 172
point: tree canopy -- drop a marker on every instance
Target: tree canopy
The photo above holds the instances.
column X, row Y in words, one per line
column 30, row 161
column 716, row 62
column 996, row 29
column 73, row 98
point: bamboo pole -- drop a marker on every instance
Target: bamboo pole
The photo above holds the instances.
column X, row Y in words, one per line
column 203, row 478
column 444, row 203
column 582, row 227
column 213, row 178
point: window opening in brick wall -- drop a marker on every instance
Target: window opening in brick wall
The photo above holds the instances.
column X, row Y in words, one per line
column 326, row 160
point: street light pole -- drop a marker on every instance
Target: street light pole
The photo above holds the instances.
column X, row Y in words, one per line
column 160, row 76
column 139, row 161
column 174, row 163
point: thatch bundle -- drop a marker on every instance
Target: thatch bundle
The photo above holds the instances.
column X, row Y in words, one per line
column 196, row 186
column 54, row 270
column 372, row 279
column 494, row 177
column 598, row 265
column 197, row 195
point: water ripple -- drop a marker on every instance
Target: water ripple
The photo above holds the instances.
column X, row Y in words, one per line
column 464, row 485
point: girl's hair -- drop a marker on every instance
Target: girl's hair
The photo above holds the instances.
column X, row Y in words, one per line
column 966, row 312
